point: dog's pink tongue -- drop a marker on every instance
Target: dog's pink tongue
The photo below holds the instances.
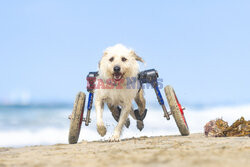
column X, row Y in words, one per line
column 117, row 76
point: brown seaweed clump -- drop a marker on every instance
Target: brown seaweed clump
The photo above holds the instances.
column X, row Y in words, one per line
column 215, row 128
column 220, row 128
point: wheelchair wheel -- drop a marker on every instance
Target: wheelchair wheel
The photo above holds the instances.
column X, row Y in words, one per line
column 176, row 110
column 76, row 118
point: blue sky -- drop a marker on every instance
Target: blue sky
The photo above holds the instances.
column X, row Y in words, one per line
column 201, row 48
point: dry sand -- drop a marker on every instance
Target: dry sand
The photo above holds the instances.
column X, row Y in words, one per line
column 193, row 150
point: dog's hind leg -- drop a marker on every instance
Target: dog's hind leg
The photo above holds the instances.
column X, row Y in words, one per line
column 123, row 117
column 99, row 106
column 116, row 112
column 141, row 103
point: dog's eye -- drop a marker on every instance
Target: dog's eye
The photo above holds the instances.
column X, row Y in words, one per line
column 111, row 59
column 124, row 59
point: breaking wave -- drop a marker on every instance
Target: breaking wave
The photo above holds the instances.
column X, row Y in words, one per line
column 47, row 126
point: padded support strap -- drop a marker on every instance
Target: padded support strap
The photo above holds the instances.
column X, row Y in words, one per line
column 140, row 117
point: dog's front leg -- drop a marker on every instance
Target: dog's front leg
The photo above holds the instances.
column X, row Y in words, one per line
column 123, row 117
column 99, row 106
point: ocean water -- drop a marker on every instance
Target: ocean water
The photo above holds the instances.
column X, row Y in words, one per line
column 47, row 125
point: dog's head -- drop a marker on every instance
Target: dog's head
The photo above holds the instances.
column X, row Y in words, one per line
column 119, row 62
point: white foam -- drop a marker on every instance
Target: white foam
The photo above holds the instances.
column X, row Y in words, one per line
column 45, row 136
column 155, row 125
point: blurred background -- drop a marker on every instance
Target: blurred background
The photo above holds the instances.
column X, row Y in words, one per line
column 48, row 47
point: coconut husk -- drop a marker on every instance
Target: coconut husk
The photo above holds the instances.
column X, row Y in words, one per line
column 220, row 128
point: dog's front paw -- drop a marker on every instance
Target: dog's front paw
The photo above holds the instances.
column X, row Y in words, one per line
column 114, row 138
column 101, row 129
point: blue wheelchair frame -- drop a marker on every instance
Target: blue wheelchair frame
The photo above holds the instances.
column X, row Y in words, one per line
column 144, row 77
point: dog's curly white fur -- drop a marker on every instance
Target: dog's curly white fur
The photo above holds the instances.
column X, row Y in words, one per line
column 117, row 63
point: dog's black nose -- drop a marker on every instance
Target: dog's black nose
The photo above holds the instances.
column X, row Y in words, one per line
column 117, row 69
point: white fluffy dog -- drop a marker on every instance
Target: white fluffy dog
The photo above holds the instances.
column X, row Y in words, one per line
column 116, row 65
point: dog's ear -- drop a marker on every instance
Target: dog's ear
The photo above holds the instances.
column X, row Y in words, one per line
column 104, row 54
column 138, row 58
column 99, row 64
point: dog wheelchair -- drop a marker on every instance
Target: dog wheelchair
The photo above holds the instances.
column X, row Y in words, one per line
column 144, row 77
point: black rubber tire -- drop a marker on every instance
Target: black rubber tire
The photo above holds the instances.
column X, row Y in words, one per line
column 76, row 118
column 176, row 111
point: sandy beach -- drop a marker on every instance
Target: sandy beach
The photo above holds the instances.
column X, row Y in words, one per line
column 193, row 150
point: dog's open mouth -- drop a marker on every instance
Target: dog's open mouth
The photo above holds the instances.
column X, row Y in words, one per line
column 117, row 76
